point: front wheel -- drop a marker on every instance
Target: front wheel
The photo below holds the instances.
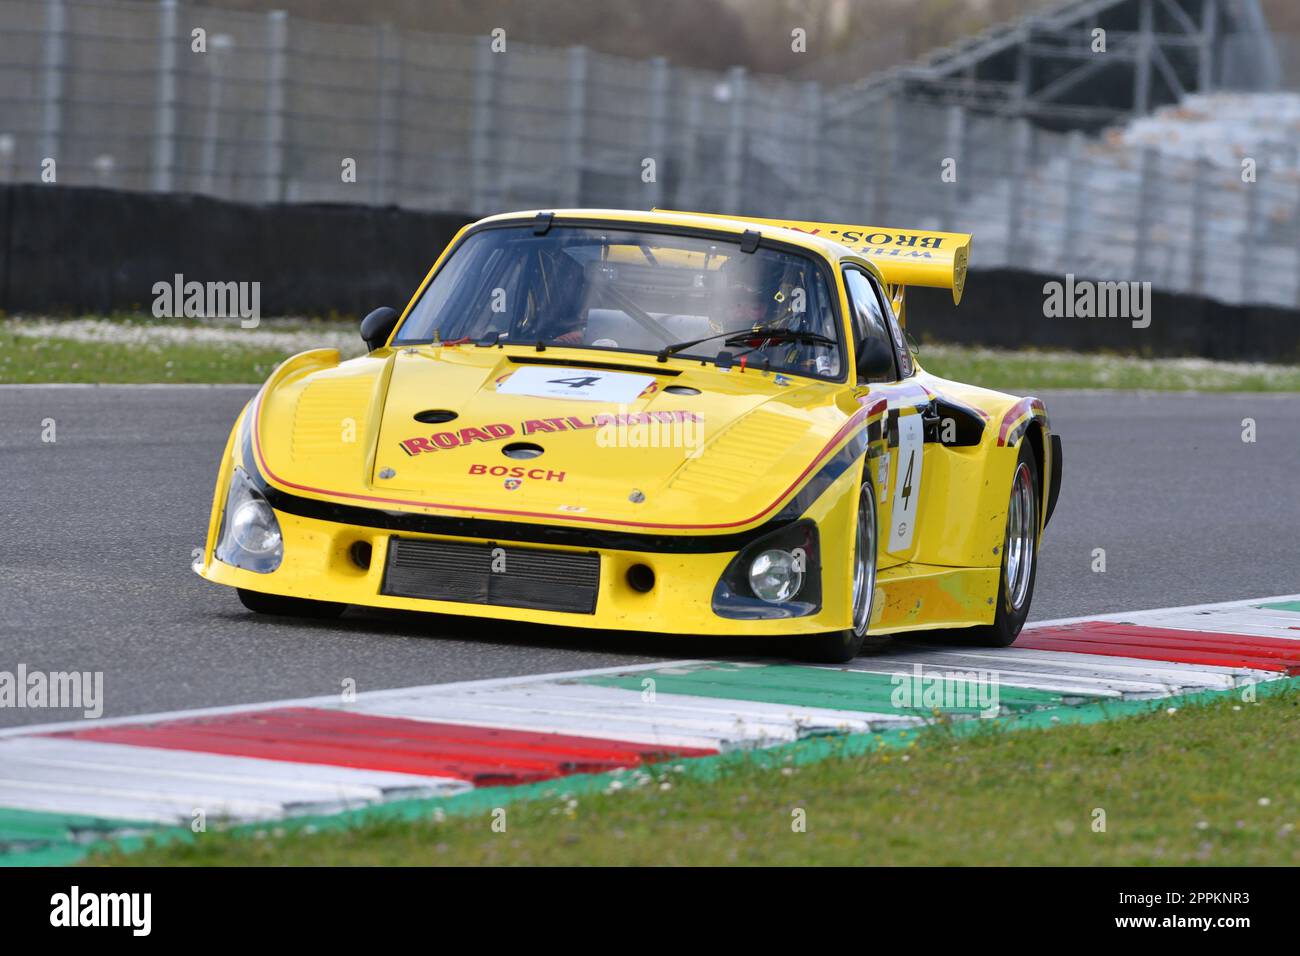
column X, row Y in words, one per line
column 837, row 647
column 282, row 606
column 1019, row 557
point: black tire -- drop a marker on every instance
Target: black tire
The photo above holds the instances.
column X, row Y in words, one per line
column 1015, row 588
column 839, row 647
column 282, row 606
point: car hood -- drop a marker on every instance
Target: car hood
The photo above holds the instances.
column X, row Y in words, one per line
column 448, row 430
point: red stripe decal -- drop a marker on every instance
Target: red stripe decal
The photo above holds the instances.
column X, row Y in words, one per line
column 1166, row 644
column 484, row 755
column 875, row 404
column 1026, row 406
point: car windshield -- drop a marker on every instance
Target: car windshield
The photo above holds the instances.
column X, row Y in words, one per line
column 610, row 289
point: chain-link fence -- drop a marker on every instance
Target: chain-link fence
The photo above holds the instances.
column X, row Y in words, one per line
column 259, row 107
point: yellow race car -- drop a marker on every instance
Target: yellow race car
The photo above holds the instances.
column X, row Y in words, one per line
column 647, row 421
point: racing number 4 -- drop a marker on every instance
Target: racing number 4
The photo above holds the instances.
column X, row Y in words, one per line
column 903, row 515
column 583, row 381
column 907, row 481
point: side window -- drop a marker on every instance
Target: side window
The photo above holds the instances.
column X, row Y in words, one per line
column 868, row 318
column 901, row 352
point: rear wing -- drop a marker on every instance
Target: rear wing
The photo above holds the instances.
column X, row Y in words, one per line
column 903, row 256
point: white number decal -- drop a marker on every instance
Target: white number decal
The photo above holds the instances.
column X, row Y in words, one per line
column 576, row 383
column 580, row 381
column 908, row 484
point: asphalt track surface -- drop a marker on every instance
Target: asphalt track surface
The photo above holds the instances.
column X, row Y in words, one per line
column 97, row 530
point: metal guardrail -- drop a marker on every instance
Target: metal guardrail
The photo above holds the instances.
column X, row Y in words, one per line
column 116, row 94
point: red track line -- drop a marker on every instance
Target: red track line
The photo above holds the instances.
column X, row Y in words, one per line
column 1102, row 630
column 337, row 738
column 1113, row 639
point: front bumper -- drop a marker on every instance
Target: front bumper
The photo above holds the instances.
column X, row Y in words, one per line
column 319, row 564
column 322, row 537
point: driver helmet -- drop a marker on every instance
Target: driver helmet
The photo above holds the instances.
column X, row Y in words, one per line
column 753, row 289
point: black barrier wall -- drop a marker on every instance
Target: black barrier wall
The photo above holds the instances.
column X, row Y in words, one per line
column 1004, row 309
column 72, row 250
column 69, row 250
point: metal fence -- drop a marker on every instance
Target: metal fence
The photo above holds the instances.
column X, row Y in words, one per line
column 275, row 109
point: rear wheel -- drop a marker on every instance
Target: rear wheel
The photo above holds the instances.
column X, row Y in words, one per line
column 836, row 647
column 1019, row 556
column 282, row 606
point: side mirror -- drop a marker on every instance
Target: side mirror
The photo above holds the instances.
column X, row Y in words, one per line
column 378, row 326
column 875, row 360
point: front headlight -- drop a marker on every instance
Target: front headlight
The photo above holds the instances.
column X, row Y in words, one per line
column 250, row 534
column 776, row 576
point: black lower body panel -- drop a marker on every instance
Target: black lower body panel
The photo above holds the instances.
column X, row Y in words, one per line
column 492, row 574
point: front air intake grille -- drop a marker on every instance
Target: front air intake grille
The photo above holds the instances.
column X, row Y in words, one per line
column 491, row 574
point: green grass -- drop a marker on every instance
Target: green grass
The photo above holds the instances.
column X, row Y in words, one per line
column 1209, row 784
column 1028, row 370
column 35, row 360
column 136, row 350
column 140, row 349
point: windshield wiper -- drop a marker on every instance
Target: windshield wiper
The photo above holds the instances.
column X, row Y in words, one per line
column 780, row 335
column 676, row 347
column 777, row 333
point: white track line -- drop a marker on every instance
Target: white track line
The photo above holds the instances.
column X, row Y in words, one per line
column 1127, row 616
column 621, row 714
column 1075, row 663
column 43, row 798
column 332, row 700
column 130, row 782
column 1283, row 625
column 201, row 766
column 1014, row 675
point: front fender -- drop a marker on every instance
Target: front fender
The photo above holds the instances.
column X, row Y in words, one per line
column 232, row 456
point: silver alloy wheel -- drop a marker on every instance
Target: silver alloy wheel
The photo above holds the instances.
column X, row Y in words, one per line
column 864, row 560
column 1022, row 526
